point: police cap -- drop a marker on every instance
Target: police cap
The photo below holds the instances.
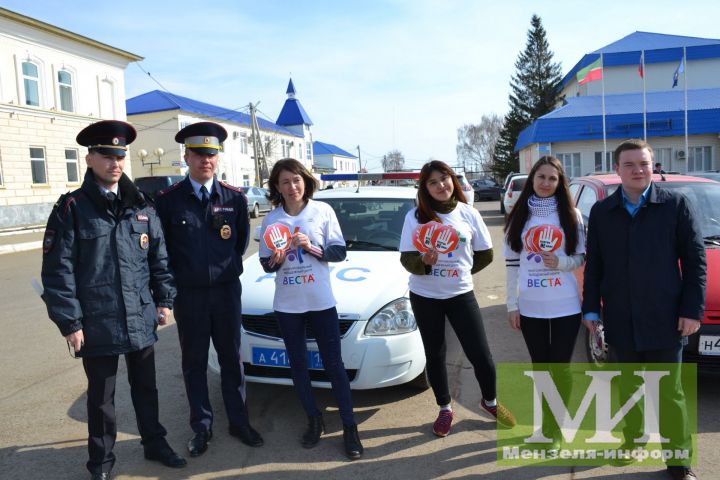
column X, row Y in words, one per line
column 202, row 137
column 107, row 137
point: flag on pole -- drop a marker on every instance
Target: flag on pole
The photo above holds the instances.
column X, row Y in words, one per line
column 680, row 69
column 592, row 72
column 641, row 66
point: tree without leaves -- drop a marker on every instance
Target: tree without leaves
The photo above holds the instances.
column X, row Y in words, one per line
column 476, row 143
column 393, row 161
column 534, row 93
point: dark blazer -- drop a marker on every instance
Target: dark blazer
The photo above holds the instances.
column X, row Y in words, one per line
column 105, row 270
column 646, row 271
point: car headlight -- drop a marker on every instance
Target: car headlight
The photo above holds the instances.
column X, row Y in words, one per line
column 393, row 319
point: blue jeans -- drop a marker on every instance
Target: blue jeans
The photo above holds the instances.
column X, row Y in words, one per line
column 326, row 326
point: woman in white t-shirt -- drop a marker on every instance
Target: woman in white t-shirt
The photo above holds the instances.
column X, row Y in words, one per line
column 444, row 242
column 544, row 243
column 299, row 239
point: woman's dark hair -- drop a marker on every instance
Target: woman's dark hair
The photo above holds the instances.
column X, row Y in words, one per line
column 293, row 166
column 565, row 206
column 427, row 206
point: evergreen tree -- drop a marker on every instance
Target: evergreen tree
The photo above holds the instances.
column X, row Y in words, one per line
column 534, row 92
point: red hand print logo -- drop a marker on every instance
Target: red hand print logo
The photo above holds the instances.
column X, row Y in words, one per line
column 277, row 237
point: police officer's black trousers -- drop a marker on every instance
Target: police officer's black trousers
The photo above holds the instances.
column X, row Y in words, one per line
column 202, row 314
column 102, row 427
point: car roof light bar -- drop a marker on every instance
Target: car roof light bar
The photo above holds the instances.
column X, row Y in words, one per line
column 334, row 177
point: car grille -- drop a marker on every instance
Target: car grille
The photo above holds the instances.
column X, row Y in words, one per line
column 284, row 372
column 267, row 325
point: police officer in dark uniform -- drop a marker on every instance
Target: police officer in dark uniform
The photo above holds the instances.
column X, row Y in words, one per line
column 107, row 286
column 206, row 228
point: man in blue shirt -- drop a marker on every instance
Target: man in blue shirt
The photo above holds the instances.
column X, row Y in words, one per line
column 639, row 241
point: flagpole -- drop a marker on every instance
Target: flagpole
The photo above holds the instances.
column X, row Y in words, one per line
column 685, row 69
column 642, row 60
column 602, row 80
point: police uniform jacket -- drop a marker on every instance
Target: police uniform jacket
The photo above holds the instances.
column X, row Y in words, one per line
column 105, row 268
column 205, row 245
column 647, row 270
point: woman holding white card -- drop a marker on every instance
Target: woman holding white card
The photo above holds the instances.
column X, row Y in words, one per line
column 444, row 242
column 299, row 239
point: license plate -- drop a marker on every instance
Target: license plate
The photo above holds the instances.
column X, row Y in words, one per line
column 709, row 345
column 278, row 357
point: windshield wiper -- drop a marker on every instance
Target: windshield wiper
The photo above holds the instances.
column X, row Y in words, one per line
column 363, row 243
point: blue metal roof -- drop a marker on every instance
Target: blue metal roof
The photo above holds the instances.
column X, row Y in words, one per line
column 581, row 117
column 293, row 113
column 320, row 148
column 158, row 101
column 659, row 48
column 291, row 88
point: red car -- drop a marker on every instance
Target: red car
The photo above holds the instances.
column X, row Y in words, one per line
column 704, row 195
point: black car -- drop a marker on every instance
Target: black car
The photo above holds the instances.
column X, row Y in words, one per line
column 486, row 189
column 152, row 185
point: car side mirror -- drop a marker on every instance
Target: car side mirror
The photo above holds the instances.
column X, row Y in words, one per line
column 256, row 235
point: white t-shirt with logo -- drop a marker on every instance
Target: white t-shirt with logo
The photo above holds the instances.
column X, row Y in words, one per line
column 302, row 283
column 546, row 292
column 450, row 276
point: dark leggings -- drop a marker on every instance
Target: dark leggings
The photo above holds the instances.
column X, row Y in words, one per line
column 550, row 340
column 463, row 312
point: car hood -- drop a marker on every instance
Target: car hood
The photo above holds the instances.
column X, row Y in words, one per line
column 712, row 296
column 363, row 283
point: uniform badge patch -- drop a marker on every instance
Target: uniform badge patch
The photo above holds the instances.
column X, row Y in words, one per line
column 48, row 240
column 141, row 217
column 144, row 241
column 225, row 232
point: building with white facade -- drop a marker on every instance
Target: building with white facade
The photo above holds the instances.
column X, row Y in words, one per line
column 330, row 158
column 573, row 132
column 53, row 83
column 158, row 116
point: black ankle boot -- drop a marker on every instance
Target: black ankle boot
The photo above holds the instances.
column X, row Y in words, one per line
column 353, row 447
column 316, row 427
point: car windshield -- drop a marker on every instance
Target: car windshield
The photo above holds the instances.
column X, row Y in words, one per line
column 705, row 198
column 371, row 224
column 518, row 183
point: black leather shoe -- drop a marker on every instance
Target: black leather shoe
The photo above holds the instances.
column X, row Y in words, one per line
column 100, row 476
column 247, row 435
column 199, row 443
column 353, row 447
column 165, row 455
column 316, row 427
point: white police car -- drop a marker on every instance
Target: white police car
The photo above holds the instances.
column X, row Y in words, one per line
column 381, row 345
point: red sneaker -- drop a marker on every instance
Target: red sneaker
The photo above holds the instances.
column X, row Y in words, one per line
column 442, row 424
column 503, row 416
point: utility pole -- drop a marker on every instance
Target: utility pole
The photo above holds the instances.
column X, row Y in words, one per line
column 359, row 169
column 261, row 168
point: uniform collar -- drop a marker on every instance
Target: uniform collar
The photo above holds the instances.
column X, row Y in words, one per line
column 196, row 186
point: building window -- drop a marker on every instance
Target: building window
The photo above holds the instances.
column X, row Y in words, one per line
column 664, row 156
column 607, row 165
column 37, row 164
column 243, row 143
column 2, row 180
column 31, row 81
column 246, row 180
column 65, row 91
column 699, row 159
column 308, row 149
column 571, row 163
column 71, row 163
column 300, row 150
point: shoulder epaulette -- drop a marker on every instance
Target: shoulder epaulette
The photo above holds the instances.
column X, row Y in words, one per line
column 230, row 187
column 168, row 189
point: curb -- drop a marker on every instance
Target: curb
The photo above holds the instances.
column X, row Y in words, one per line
column 20, row 247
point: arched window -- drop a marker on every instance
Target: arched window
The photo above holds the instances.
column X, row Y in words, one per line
column 31, row 83
column 65, row 90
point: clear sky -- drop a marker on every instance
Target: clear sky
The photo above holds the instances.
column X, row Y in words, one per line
column 394, row 74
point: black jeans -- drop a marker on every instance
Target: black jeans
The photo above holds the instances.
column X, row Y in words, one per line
column 463, row 312
column 326, row 327
column 550, row 340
